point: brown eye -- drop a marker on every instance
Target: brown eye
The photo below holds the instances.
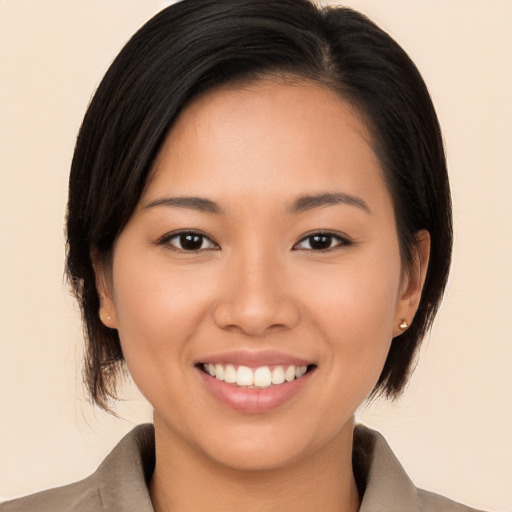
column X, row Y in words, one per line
column 321, row 242
column 189, row 241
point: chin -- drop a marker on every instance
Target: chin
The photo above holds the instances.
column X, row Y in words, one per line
column 250, row 456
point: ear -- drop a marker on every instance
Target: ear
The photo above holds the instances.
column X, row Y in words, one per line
column 103, row 275
column 412, row 283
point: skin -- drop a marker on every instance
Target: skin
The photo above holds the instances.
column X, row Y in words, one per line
column 256, row 284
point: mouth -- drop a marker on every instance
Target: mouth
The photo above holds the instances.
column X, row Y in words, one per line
column 261, row 377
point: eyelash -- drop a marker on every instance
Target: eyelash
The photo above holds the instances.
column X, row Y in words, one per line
column 332, row 237
column 166, row 240
column 342, row 241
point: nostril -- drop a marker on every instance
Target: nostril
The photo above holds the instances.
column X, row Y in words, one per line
column 255, row 313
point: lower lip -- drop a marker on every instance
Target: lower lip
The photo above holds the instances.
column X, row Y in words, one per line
column 253, row 400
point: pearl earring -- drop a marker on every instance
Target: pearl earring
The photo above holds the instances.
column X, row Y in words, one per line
column 403, row 325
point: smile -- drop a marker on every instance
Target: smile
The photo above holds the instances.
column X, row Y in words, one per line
column 257, row 378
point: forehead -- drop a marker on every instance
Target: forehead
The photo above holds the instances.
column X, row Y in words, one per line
column 267, row 137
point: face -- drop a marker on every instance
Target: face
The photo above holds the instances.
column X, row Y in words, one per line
column 263, row 247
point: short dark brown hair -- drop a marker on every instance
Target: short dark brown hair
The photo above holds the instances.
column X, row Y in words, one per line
column 195, row 45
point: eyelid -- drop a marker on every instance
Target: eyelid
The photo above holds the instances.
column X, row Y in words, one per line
column 343, row 239
column 166, row 240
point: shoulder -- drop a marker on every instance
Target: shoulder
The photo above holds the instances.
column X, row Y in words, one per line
column 431, row 502
column 120, row 482
column 384, row 483
column 76, row 497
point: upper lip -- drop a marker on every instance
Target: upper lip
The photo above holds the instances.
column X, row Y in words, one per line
column 255, row 359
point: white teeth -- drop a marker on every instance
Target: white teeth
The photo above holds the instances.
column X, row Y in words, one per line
column 278, row 375
column 262, row 377
column 300, row 371
column 230, row 374
column 244, row 376
column 219, row 372
column 289, row 374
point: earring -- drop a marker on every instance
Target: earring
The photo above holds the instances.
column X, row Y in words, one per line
column 104, row 317
column 403, row 325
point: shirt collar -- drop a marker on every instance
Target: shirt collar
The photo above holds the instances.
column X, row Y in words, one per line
column 124, row 475
column 385, row 485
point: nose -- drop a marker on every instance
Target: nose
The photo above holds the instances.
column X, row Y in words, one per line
column 257, row 298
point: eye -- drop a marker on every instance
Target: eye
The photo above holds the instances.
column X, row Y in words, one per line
column 189, row 241
column 321, row 242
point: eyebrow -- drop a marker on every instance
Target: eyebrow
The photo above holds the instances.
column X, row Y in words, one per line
column 193, row 203
column 310, row 202
column 300, row 205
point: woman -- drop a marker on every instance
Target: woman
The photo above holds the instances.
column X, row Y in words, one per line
column 259, row 226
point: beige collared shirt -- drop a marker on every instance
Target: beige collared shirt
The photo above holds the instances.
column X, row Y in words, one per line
column 120, row 482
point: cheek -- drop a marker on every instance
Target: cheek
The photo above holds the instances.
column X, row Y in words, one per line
column 354, row 308
column 159, row 308
column 357, row 297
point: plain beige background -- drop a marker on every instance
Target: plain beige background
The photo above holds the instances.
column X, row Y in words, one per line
column 452, row 430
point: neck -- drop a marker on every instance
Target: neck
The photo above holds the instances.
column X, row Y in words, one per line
column 186, row 480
